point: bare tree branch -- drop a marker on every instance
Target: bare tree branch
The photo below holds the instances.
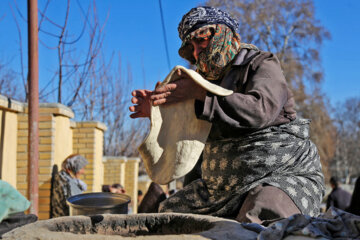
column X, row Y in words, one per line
column 22, row 74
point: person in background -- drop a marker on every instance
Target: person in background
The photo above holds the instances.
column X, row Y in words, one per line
column 67, row 183
column 105, row 188
column 117, row 188
column 338, row 197
column 354, row 207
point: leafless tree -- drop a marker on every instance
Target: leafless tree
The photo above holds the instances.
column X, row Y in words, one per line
column 106, row 99
column 71, row 63
column 8, row 87
column 346, row 162
column 86, row 78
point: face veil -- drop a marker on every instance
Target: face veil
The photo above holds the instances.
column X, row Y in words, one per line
column 222, row 48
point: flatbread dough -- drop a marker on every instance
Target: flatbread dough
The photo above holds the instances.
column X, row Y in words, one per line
column 177, row 137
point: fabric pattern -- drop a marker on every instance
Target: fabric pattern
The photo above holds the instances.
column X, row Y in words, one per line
column 334, row 224
column 281, row 156
column 64, row 187
column 224, row 45
column 205, row 15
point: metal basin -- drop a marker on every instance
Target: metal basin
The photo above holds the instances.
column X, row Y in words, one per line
column 98, row 203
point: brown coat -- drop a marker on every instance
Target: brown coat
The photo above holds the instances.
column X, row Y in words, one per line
column 261, row 97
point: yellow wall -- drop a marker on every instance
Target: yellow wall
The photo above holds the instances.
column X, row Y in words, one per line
column 99, row 166
column 88, row 141
column 22, row 156
column 131, row 181
column 125, row 171
column 58, row 138
column 8, row 143
column 63, row 139
column 9, row 110
column 114, row 170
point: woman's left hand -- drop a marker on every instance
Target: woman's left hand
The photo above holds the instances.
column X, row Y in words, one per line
column 178, row 91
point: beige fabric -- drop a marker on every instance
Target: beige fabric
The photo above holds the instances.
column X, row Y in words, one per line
column 211, row 87
column 176, row 137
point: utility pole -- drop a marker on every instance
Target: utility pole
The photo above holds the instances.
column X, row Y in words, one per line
column 33, row 106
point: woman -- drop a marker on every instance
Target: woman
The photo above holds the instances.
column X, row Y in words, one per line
column 66, row 183
column 258, row 163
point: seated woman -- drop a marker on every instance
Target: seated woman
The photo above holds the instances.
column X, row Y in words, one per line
column 67, row 183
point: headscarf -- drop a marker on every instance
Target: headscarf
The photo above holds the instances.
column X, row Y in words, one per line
column 74, row 163
column 216, row 25
column 200, row 16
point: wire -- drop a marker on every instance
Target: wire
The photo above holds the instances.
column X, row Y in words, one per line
column 164, row 33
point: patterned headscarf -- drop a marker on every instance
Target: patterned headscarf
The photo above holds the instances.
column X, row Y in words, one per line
column 200, row 16
column 224, row 45
column 216, row 25
column 74, row 163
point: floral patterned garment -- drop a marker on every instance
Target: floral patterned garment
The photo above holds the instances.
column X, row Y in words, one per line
column 282, row 156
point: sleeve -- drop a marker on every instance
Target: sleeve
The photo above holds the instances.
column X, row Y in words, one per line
column 260, row 103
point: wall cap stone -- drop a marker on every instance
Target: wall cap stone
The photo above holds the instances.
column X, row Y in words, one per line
column 121, row 159
column 144, row 178
column 92, row 124
column 11, row 105
column 56, row 109
column 72, row 124
column 133, row 159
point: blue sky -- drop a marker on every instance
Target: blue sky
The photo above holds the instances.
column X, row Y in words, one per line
column 134, row 30
column 340, row 55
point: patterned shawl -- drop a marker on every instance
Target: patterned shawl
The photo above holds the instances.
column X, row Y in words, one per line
column 282, row 156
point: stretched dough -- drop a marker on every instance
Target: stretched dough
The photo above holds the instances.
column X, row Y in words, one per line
column 176, row 137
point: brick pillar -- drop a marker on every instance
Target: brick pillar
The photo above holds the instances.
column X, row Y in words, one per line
column 88, row 141
column 131, row 181
column 114, row 170
column 50, row 113
column 46, row 145
column 22, row 157
column 9, row 111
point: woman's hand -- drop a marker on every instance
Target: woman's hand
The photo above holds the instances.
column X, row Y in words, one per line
column 177, row 91
column 142, row 101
